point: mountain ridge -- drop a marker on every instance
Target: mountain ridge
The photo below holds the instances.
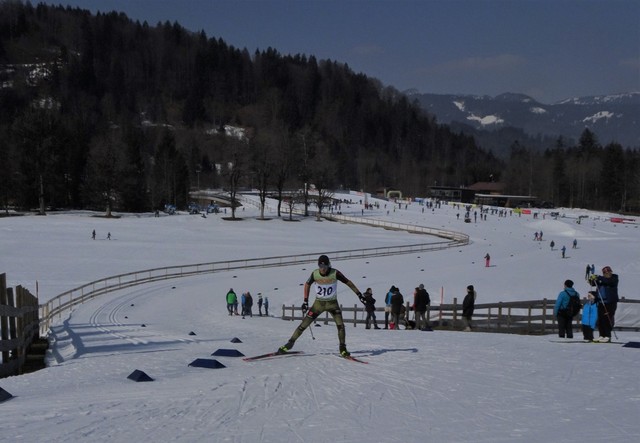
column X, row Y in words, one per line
column 614, row 118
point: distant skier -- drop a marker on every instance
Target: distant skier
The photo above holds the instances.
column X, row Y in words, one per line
column 575, row 243
column 564, row 249
column 266, row 306
column 260, row 305
column 552, row 244
column 93, row 234
column 487, row 260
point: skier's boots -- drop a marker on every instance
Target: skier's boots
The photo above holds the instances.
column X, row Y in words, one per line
column 285, row 348
column 343, row 351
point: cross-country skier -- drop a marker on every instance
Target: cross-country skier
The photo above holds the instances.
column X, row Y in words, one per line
column 326, row 284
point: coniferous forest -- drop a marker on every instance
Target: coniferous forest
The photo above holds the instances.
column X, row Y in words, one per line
column 100, row 111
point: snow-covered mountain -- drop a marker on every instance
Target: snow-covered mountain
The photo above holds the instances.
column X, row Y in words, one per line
column 613, row 118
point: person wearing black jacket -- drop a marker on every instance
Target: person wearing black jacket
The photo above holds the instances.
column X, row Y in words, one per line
column 468, row 305
column 607, row 290
column 420, row 302
column 397, row 302
column 370, row 307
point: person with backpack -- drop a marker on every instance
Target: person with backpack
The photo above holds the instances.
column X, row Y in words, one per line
column 564, row 309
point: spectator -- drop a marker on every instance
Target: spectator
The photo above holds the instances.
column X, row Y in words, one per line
column 561, row 310
column 589, row 316
column 370, row 307
column 420, row 302
column 607, row 291
column 248, row 304
column 397, row 303
column 387, row 306
column 232, row 300
column 260, row 305
column 243, row 297
column 468, row 306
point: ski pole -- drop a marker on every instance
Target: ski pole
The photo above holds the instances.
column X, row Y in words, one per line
column 311, row 325
column 311, row 330
column 606, row 311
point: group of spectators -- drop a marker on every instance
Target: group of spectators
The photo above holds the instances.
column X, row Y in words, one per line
column 395, row 312
column 598, row 311
column 246, row 304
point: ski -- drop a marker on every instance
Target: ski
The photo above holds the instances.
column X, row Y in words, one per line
column 587, row 342
column 352, row 358
column 271, row 354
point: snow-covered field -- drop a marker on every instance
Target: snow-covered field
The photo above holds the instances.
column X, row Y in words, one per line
column 417, row 387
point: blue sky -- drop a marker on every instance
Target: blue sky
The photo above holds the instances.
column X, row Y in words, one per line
column 548, row 49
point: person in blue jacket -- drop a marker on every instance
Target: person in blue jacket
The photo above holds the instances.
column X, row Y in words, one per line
column 607, row 290
column 387, row 306
column 561, row 307
column 589, row 316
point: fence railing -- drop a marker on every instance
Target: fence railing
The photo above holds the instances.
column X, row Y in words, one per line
column 518, row 317
column 62, row 304
column 18, row 326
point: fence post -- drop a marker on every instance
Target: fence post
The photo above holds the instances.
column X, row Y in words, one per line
column 529, row 321
column 544, row 315
column 4, row 321
column 455, row 312
column 13, row 327
column 499, row 319
column 355, row 314
column 21, row 350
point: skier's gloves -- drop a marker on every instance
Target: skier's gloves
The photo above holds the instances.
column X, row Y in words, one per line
column 361, row 297
column 304, row 307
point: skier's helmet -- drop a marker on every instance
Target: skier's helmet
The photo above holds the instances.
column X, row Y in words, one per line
column 323, row 261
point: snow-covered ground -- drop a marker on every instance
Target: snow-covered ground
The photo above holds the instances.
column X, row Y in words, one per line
column 418, row 386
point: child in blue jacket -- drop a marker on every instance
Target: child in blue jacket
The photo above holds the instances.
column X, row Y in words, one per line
column 589, row 317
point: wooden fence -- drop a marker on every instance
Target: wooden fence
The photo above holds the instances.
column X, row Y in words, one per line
column 518, row 317
column 61, row 305
column 18, row 326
